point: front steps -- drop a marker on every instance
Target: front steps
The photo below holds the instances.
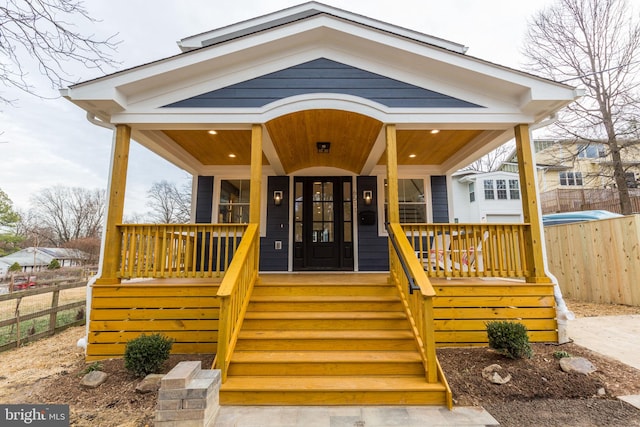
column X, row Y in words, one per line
column 341, row 339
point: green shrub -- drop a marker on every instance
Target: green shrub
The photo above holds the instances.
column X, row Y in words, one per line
column 95, row 366
column 561, row 354
column 146, row 354
column 54, row 264
column 509, row 338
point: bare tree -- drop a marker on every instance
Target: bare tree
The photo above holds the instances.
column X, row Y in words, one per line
column 69, row 213
column 490, row 162
column 42, row 30
column 169, row 204
column 593, row 43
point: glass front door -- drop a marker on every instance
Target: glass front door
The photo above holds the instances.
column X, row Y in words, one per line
column 323, row 229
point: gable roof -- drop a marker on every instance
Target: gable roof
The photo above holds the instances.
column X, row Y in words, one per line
column 302, row 11
column 453, row 91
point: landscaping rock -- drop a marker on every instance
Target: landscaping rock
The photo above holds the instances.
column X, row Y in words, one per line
column 578, row 365
column 496, row 374
column 150, row 384
column 93, row 379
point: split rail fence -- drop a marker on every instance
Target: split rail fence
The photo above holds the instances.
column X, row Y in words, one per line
column 42, row 311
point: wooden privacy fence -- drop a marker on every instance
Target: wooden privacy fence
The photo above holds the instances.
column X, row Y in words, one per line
column 470, row 250
column 579, row 199
column 23, row 318
column 597, row 261
column 177, row 250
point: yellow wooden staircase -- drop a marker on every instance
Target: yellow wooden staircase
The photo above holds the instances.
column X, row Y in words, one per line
column 327, row 340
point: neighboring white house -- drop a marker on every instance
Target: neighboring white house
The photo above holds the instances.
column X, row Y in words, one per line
column 4, row 269
column 492, row 197
column 36, row 259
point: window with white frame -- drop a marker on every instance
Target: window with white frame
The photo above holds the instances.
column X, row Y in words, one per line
column 501, row 189
column 570, row 178
column 472, row 192
column 501, row 185
column 590, row 151
column 233, row 206
column 412, row 204
column 514, row 189
column 488, row 190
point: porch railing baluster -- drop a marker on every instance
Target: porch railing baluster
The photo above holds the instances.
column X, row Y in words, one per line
column 470, row 250
column 177, row 250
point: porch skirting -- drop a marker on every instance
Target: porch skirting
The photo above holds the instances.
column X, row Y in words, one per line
column 187, row 310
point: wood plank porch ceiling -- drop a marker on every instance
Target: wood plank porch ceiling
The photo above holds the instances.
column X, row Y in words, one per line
column 294, row 136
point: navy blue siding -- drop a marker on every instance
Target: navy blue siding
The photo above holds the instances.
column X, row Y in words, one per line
column 373, row 250
column 204, row 200
column 439, row 199
column 277, row 227
column 322, row 76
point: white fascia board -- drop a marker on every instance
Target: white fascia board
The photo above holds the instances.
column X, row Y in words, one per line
column 419, row 120
column 303, row 11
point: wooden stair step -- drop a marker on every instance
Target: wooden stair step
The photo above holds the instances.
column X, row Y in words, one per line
column 343, row 383
column 336, row 339
column 336, row 363
column 323, row 315
column 331, row 390
column 325, row 320
column 382, row 334
column 325, row 356
column 324, row 298
column 329, row 290
column 325, row 303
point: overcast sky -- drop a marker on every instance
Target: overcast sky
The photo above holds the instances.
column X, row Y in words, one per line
column 48, row 142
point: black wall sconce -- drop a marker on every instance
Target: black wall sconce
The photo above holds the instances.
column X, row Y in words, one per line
column 277, row 198
column 367, row 195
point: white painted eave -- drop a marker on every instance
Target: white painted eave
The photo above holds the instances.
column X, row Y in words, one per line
column 303, row 11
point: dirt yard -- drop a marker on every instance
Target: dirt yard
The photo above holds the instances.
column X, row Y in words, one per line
column 49, row 371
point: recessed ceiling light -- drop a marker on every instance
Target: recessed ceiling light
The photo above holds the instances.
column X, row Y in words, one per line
column 233, row 156
column 434, row 131
column 412, row 156
column 212, row 132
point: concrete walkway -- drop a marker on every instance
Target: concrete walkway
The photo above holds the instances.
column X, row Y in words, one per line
column 352, row 416
column 617, row 337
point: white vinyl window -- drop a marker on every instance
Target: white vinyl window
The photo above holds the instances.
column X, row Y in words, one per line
column 570, row 178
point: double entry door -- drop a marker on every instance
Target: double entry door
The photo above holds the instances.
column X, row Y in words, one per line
column 323, row 223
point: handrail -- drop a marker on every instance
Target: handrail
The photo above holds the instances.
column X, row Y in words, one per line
column 418, row 305
column 234, row 294
column 403, row 262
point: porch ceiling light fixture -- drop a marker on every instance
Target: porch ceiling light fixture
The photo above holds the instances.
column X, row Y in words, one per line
column 277, row 198
column 367, row 195
column 212, row 132
column 323, row 147
column 434, row 131
column 233, row 156
column 412, row 156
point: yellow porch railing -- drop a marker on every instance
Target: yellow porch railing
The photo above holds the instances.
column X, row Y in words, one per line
column 417, row 296
column 471, row 250
column 177, row 250
column 234, row 294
